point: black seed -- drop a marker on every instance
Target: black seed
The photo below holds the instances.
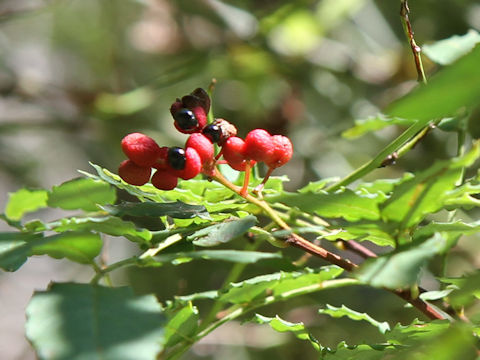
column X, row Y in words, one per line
column 185, row 119
column 212, row 132
column 176, row 158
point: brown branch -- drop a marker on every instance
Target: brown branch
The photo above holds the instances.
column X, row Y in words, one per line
column 416, row 50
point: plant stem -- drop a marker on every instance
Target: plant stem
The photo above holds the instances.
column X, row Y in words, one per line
column 416, row 50
column 305, row 245
column 379, row 158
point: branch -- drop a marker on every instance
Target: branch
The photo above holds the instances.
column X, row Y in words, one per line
column 416, row 50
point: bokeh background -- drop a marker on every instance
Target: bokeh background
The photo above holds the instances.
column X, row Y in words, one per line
column 78, row 75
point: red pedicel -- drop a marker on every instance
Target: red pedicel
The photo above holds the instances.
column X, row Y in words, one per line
column 234, row 150
column 202, row 145
column 259, row 145
column 164, row 180
column 283, row 150
column 141, row 149
column 133, row 174
column 193, row 165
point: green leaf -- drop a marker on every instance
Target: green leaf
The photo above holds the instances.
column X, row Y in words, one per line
column 222, row 233
column 236, row 256
column 468, row 289
column 338, row 312
column 447, row 51
column 401, row 268
column 280, row 325
column 455, row 86
column 183, row 325
column 416, row 331
column 81, row 321
column 84, row 194
column 24, row 201
column 343, row 351
column 351, row 206
column 451, row 229
column 373, row 123
column 279, row 285
column 425, row 193
column 376, row 232
column 177, row 210
column 104, row 224
column 15, row 248
column 435, row 294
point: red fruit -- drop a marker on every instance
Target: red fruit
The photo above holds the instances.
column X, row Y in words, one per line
column 164, row 180
column 133, row 174
column 282, row 153
column 259, row 145
column 190, row 112
column 193, row 165
column 202, row 145
column 241, row 166
column 161, row 163
column 141, row 149
column 234, row 150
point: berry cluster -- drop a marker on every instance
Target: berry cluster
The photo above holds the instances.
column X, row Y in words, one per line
column 198, row 155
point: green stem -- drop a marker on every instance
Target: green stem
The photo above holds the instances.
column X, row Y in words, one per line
column 379, row 158
column 123, row 263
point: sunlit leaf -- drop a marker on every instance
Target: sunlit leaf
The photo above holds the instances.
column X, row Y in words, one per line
column 373, row 123
column 24, row 201
column 280, row 325
column 455, row 86
column 280, row 284
column 182, row 325
column 342, row 311
column 223, row 232
column 83, row 193
column 15, row 248
column 401, row 268
column 82, row 321
column 447, row 51
column 345, row 204
column 425, row 193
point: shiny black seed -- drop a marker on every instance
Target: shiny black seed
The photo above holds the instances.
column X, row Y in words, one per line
column 185, row 119
column 176, row 158
column 212, row 132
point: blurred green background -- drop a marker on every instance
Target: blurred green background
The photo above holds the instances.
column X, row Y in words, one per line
column 78, row 75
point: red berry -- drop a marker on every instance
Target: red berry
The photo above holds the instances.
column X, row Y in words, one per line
column 234, row 150
column 283, row 150
column 259, row 145
column 162, row 163
column 164, row 180
column 193, row 165
column 240, row 166
column 133, row 174
column 203, row 146
column 141, row 149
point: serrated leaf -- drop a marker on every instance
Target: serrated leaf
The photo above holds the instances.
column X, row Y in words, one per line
column 80, row 321
column 338, row 312
column 376, row 232
column 177, row 209
column 373, row 123
column 222, row 233
column 24, row 201
column 447, row 51
column 435, row 294
column 278, row 285
column 280, row 325
column 345, row 204
column 343, row 351
column 105, row 224
column 82, row 193
column 468, row 289
column 236, row 256
column 15, row 248
column 455, row 86
column 182, row 325
column 401, row 268
column 425, row 193
column 452, row 229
